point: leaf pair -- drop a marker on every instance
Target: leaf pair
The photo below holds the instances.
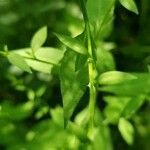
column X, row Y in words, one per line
column 38, row 58
column 37, row 41
column 46, row 58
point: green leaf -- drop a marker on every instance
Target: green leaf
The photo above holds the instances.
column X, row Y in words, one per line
column 114, row 77
column 99, row 12
column 49, row 54
column 18, row 61
column 73, row 84
column 80, row 61
column 46, row 57
column 57, row 115
column 130, row 5
column 105, row 61
column 132, row 106
column 127, row 131
column 24, row 52
column 39, row 38
column 102, row 139
column 135, row 87
column 40, row 66
column 78, row 131
column 72, row 43
column 114, row 108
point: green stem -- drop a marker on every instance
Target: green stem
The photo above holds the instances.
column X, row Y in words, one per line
column 91, row 68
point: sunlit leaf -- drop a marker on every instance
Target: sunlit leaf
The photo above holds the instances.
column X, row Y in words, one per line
column 114, row 77
column 40, row 66
column 130, row 87
column 49, row 54
column 39, row 38
column 46, row 57
column 130, row 5
column 18, row 61
column 127, row 131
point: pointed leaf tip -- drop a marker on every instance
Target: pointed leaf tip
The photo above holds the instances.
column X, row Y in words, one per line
column 130, row 5
column 39, row 38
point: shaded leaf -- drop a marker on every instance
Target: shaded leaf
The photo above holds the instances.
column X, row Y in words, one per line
column 73, row 84
column 80, row 61
column 105, row 61
column 114, row 108
column 78, row 131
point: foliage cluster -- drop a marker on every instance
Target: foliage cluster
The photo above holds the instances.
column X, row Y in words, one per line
column 90, row 89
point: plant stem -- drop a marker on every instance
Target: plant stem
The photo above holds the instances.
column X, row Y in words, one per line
column 91, row 67
column 92, row 88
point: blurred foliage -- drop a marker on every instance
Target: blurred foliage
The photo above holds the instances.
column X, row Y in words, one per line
column 31, row 114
